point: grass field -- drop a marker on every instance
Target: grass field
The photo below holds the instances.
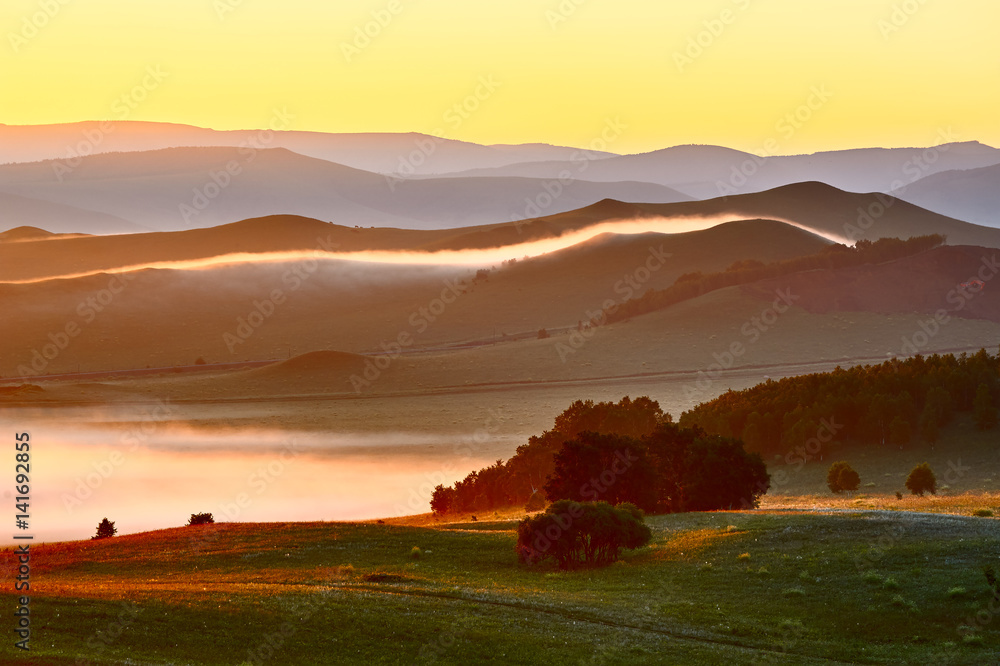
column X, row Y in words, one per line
column 740, row 587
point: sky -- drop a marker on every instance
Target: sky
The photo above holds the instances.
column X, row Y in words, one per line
column 791, row 75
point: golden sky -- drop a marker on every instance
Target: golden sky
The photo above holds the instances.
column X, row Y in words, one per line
column 806, row 74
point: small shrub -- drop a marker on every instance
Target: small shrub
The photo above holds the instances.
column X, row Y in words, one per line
column 898, row 601
column 199, row 361
column 899, row 495
column 731, row 528
column 200, row 519
column 805, row 576
column 890, row 584
column 793, row 592
column 841, row 476
column 542, row 334
column 956, row 592
column 105, row 530
column 415, row 552
column 743, row 556
column 983, row 513
column 921, row 480
column 763, row 571
column 974, row 640
column 706, row 566
column 581, row 533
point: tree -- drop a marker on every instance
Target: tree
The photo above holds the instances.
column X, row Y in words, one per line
column 576, row 533
column 921, row 480
column 696, row 471
column 542, row 334
column 611, row 468
column 841, row 477
column 442, row 499
column 929, row 429
column 105, row 530
column 984, row 409
column 200, row 519
column 899, row 432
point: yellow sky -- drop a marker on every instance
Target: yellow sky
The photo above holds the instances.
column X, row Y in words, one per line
column 728, row 72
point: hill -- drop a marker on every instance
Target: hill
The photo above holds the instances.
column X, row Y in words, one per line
column 798, row 587
column 181, row 188
column 376, row 152
column 972, row 195
column 706, row 172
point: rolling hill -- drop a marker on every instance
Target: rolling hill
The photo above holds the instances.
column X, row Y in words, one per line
column 705, row 172
column 376, row 152
column 972, row 195
column 183, row 188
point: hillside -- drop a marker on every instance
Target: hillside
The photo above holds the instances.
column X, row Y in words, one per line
column 377, row 152
column 705, row 172
column 181, row 188
column 972, row 195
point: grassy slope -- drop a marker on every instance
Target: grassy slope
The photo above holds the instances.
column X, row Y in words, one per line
column 812, row 588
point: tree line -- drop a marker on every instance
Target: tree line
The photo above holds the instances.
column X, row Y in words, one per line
column 624, row 452
column 692, row 285
column 892, row 404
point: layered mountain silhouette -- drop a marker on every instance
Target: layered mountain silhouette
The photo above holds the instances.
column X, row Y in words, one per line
column 969, row 194
column 183, row 188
